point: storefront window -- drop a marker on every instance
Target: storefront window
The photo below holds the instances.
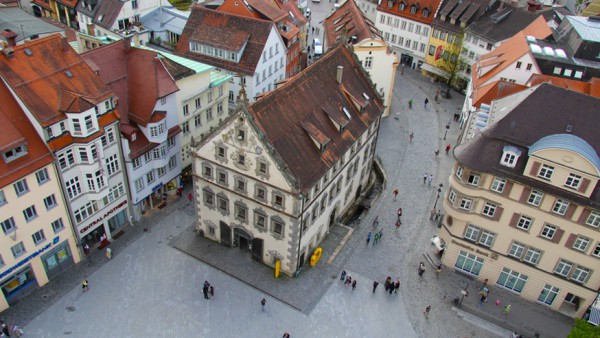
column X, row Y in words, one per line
column 57, row 260
column 117, row 221
column 18, row 285
column 469, row 262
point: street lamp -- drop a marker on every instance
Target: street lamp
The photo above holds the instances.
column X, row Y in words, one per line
column 439, row 191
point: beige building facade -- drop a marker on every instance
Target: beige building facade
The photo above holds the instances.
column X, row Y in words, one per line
column 522, row 205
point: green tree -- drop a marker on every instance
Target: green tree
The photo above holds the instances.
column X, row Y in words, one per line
column 583, row 329
column 450, row 60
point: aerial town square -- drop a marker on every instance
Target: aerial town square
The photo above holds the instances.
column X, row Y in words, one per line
column 299, row 168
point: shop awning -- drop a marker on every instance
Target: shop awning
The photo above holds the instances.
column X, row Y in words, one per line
column 435, row 70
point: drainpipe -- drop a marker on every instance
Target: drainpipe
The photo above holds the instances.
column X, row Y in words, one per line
column 301, row 230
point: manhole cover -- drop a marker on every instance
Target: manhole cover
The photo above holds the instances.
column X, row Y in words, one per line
column 45, row 297
column 71, row 308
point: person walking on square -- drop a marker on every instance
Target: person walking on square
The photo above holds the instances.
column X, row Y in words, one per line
column 410, row 102
column 380, row 233
column 211, row 290
column 353, row 285
column 343, row 275
column 448, row 147
column 5, row 329
column 376, row 221
column 392, row 287
column 426, row 102
column 425, row 178
column 397, row 285
column 375, row 284
column 395, row 193
column 263, row 302
column 436, row 153
column 498, row 303
column 286, row 335
column 506, row 310
column 348, row 280
column 388, row 283
column 429, row 179
column 410, row 137
column 426, row 313
column 85, row 285
column 369, row 237
column 375, row 238
column 421, row 269
column 399, row 216
column 205, row 291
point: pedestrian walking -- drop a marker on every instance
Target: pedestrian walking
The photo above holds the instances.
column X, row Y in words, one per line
column 286, row 335
column 85, row 285
column 397, row 285
column 438, row 271
column 392, row 287
column 448, row 147
column 205, row 291
column 348, row 280
column 399, row 215
column 369, row 235
column 343, row 275
column 437, row 153
column 397, row 117
column 375, row 238
column 410, row 102
column 498, row 303
column 395, row 193
column 211, row 290
column 380, row 233
column 426, row 102
column 5, row 330
column 506, row 310
column 376, row 221
column 354, row 285
column 108, row 253
column 375, row 284
column 263, row 302
column 426, row 313
column 398, row 224
column 483, row 297
column 421, row 269
column 429, row 179
column 410, row 137
column 425, row 178
column 388, row 283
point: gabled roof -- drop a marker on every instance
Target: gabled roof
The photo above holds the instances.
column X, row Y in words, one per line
column 52, row 68
column 296, row 17
column 24, row 24
column 540, row 114
column 465, row 11
column 137, row 76
column 587, row 29
column 107, row 12
column 292, row 117
column 348, row 20
column 228, row 30
column 18, row 130
column 68, row 3
column 591, row 87
column 503, row 21
column 165, row 19
column 268, row 9
column 392, row 7
column 495, row 90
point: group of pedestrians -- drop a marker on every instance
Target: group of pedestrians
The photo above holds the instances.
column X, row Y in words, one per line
column 9, row 331
column 427, row 178
column 208, row 290
column 390, row 286
column 375, row 237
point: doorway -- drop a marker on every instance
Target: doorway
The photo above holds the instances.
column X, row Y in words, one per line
column 242, row 239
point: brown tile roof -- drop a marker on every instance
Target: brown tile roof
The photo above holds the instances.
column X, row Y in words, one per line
column 513, row 20
column 538, row 28
column 107, row 12
column 348, row 20
column 301, row 108
column 430, row 5
column 590, row 88
column 137, row 76
column 465, row 11
column 268, row 9
column 43, row 4
column 230, row 29
column 297, row 18
column 141, row 145
column 546, row 111
column 53, row 68
column 495, row 90
column 68, row 3
column 67, row 139
column 18, row 130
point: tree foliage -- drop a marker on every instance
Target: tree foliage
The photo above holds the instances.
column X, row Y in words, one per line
column 583, row 329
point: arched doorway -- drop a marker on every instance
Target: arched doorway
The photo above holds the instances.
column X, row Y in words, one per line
column 37, row 11
column 242, row 240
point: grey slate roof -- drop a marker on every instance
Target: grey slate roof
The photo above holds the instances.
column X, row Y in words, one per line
column 512, row 20
column 24, row 24
column 588, row 30
column 171, row 19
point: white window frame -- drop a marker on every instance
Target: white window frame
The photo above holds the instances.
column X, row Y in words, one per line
column 581, row 243
column 535, row 198
column 466, row 204
column 498, row 184
column 580, row 274
column 487, row 238
column 548, row 231
column 573, row 181
column 524, row 223
column 489, row 209
column 472, row 232
column 563, row 267
column 593, row 219
column 546, row 171
column 560, row 207
column 473, row 180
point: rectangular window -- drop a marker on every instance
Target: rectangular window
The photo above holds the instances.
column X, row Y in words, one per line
column 489, row 209
column 452, row 196
column 548, row 231
column 581, row 243
column 139, row 184
column 136, row 163
column 150, row 176
column 368, row 62
column 580, row 274
column 2, row 198
column 469, row 263
column 529, row 66
column 546, row 171
column 560, row 207
column 459, row 172
column 465, row 204
column 277, row 228
column 222, row 177
column 241, row 212
column 8, row 225
column 596, row 251
column 223, row 204
column 260, row 220
column 73, row 188
column 50, row 202
column 472, row 233
column 21, row 187
column 524, row 223
column 42, row 176
column 512, row 280
column 498, row 184
column 593, row 219
column 112, row 164
column 548, row 294
column 38, row 237
column 519, row 64
column 563, row 268
column 532, row 256
column 535, row 198
column 573, row 181
column 186, row 110
column 487, row 238
column 278, row 200
column 30, row 213
column 473, row 180
column 516, row 250
column 172, row 162
column 58, row 225
column 18, row 249
column 185, row 127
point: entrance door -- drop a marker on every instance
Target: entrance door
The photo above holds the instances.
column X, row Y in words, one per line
column 257, row 249
column 358, row 192
column 225, row 234
column 301, row 262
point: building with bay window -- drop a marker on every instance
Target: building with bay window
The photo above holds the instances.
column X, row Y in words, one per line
column 36, row 241
column 73, row 111
column 523, row 203
column 276, row 176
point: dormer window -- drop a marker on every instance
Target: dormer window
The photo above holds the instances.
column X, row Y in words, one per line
column 425, row 13
column 14, row 153
column 510, row 156
column 413, row 10
column 402, row 6
column 157, row 130
column 241, row 135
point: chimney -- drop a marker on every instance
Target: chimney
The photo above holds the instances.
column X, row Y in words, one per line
column 136, row 39
column 338, row 76
column 10, row 36
column 65, row 44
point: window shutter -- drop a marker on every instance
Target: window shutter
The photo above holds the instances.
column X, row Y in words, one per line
column 498, row 213
column 570, row 210
column 535, row 167
column 584, row 216
column 558, row 235
column 514, row 220
column 584, row 185
column 570, row 240
column 525, row 195
column 507, row 188
column 465, row 175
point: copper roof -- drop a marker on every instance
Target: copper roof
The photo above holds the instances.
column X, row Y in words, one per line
column 302, row 108
column 137, row 76
column 231, row 29
column 540, row 114
column 348, row 20
column 40, row 79
column 18, row 130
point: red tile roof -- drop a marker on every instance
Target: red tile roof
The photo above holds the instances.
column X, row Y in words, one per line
column 39, row 80
column 68, row 3
column 591, row 87
column 495, row 90
column 137, row 76
column 348, row 20
column 393, row 7
column 230, row 29
column 269, row 9
column 305, row 106
column 17, row 130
